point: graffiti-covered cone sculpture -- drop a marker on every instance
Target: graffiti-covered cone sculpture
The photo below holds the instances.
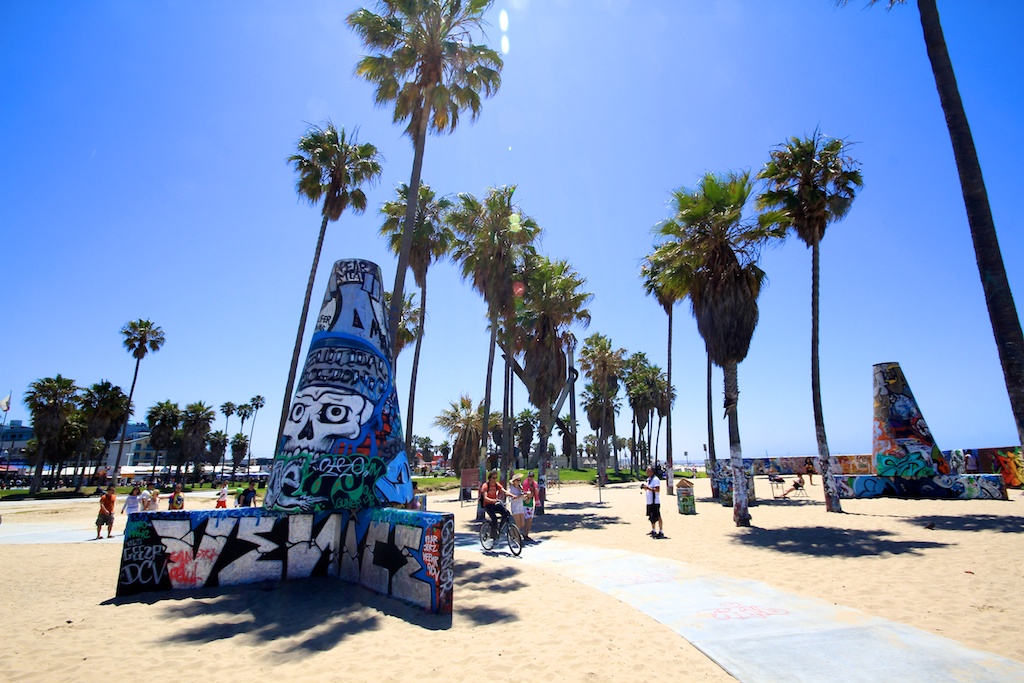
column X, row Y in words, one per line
column 342, row 446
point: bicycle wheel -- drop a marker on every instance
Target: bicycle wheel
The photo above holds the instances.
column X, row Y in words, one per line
column 486, row 540
column 515, row 539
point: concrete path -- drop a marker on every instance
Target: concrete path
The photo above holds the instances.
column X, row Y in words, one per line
column 758, row 633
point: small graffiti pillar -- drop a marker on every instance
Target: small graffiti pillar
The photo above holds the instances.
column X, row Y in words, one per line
column 342, row 446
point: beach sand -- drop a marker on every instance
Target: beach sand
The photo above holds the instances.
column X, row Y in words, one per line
column 59, row 619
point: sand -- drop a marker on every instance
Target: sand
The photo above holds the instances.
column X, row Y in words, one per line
column 59, row 620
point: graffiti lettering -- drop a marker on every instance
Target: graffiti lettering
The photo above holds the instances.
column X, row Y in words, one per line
column 735, row 610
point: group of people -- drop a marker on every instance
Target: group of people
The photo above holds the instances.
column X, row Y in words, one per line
column 148, row 500
column 523, row 495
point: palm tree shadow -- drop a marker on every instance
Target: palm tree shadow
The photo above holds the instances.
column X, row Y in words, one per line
column 831, row 542
column 1010, row 525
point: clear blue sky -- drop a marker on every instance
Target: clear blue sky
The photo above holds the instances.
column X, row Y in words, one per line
column 143, row 175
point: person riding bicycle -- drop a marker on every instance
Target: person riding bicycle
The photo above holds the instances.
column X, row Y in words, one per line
column 492, row 493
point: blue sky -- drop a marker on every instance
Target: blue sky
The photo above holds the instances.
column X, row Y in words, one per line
column 143, row 175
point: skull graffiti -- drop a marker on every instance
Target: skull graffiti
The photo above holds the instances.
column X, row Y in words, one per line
column 321, row 415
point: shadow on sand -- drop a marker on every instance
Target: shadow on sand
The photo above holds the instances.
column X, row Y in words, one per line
column 1010, row 525
column 316, row 614
column 830, row 542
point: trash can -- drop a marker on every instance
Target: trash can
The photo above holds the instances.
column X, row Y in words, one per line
column 684, row 497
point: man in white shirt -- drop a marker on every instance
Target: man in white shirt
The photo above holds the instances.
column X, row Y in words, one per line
column 652, row 487
column 150, row 499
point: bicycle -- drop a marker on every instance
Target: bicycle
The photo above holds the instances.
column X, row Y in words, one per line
column 508, row 528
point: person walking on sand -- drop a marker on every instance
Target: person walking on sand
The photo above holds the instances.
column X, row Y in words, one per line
column 515, row 492
column 150, row 498
column 176, row 501
column 530, row 493
column 248, row 497
column 652, row 488
column 106, row 516
column 132, row 503
column 222, row 496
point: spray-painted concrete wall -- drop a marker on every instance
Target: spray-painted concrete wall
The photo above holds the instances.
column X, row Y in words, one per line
column 342, row 446
column 723, row 475
column 908, row 463
column 398, row 553
column 960, row 486
column 1006, row 462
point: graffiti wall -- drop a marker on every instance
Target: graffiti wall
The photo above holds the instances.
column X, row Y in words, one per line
column 958, row 486
column 403, row 554
column 1007, row 462
column 902, row 444
column 723, row 475
column 342, row 446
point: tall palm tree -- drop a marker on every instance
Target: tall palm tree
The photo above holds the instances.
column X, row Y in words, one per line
column 256, row 402
column 811, row 182
column 425, row 62
column 604, row 367
column 140, row 337
column 553, row 301
column 1002, row 311
column 432, row 239
column 239, row 447
column 104, row 406
column 50, row 401
column 218, row 443
column 667, row 294
column 461, row 421
column 494, row 238
column 526, row 422
column 331, row 167
column 718, row 252
column 408, row 327
column 641, row 392
column 227, row 409
column 196, row 422
column 244, row 412
column 164, row 419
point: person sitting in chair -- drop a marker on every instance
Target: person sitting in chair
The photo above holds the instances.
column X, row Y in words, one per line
column 798, row 485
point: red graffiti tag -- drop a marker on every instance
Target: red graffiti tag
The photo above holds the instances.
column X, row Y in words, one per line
column 183, row 565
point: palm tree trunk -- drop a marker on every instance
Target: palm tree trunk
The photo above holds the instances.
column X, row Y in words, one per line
column 37, row 477
column 998, row 298
column 669, row 474
column 252, row 428
column 740, row 514
column 832, row 503
column 421, row 117
column 574, row 456
column 415, row 369
column 289, row 385
column 634, row 460
column 712, row 459
column 615, row 449
column 124, row 428
column 487, row 393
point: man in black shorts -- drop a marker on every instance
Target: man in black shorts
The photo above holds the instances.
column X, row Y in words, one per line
column 652, row 488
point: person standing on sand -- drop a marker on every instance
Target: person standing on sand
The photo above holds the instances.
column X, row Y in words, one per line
column 652, row 487
column 177, row 499
column 106, row 516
